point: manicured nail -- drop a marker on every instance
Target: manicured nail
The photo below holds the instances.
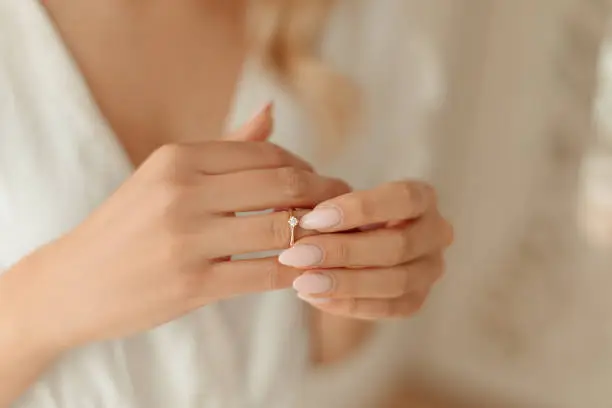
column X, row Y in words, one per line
column 256, row 129
column 301, row 256
column 313, row 284
column 264, row 111
column 315, row 301
column 321, row 218
column 372, row 227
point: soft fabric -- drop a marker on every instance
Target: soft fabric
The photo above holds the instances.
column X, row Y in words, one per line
column 490, row 101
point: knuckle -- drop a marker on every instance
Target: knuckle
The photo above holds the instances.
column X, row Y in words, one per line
column 416, row 195
column 279, row 277
column 400, row 288
column 175, row 251
column 403, row 283
column 188, row 286
column 293, row 182
column 392, row 309
column 348, row 306
column 171, row 200
column 400, row 248
column 338, row 285
column 273, row 275
column 362, row 209
column 407, row 306
column 278, row 230
column 275, row 154
column 407, row 192
column 379, row 309
column 168, row 195
column 168, row 154
column 352, row 306
column 340, row 253
column 167, row 160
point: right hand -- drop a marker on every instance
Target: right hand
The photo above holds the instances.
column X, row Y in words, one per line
column 158, row 247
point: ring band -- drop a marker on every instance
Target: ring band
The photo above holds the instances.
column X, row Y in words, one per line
column 293, row 222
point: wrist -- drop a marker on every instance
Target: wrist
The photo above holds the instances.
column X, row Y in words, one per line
column 23, row 326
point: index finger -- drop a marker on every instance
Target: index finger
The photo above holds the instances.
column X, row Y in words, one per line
column 223, row 157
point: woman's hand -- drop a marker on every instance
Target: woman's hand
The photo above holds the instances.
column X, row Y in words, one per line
column 383, row 269
column 158, row 247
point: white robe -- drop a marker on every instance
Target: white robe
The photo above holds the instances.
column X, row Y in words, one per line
column 488, row 100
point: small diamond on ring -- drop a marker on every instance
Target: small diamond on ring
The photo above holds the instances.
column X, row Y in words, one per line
column 293, row 222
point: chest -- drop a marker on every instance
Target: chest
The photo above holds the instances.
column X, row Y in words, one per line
column 159, row 74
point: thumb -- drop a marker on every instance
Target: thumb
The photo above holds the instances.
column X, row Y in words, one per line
column 258, row 129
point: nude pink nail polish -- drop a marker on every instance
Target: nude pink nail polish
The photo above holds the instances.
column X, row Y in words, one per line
column 313, row 283
column 301, row 256
column 321, row 218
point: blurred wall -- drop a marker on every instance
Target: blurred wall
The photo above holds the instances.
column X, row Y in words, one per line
column 597, row 206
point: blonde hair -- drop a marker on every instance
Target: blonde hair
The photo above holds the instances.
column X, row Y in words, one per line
column 285, row 38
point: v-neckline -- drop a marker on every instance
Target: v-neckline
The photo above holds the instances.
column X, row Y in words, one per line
column 251, row 91
column 107, row 134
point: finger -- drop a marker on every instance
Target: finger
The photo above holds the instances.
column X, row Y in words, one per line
column 223, row 157
column 404, row 306
column 287, row 187
column 234, row 278
column 250, row 233
column 386, row 283
column 378, row 248
column 404, row 200
column 258, row 129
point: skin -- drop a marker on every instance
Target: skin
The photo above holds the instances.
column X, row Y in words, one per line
column 156, row 246
column 383, row 272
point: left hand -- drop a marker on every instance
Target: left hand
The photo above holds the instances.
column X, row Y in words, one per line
column 379, row 253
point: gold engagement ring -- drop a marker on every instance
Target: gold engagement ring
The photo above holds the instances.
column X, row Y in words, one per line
column 293, row 223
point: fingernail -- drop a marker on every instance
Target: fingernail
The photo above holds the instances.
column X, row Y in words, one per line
column 321, row 218
column 371, row 227
column 314, row 283
column 301, row 256
column 266, row 110
column 256, row 129
column 312, row 300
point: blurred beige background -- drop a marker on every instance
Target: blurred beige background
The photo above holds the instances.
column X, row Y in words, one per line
column 596, row 217
column 598, row 168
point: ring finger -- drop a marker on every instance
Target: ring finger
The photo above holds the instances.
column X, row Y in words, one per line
column 251, row 233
